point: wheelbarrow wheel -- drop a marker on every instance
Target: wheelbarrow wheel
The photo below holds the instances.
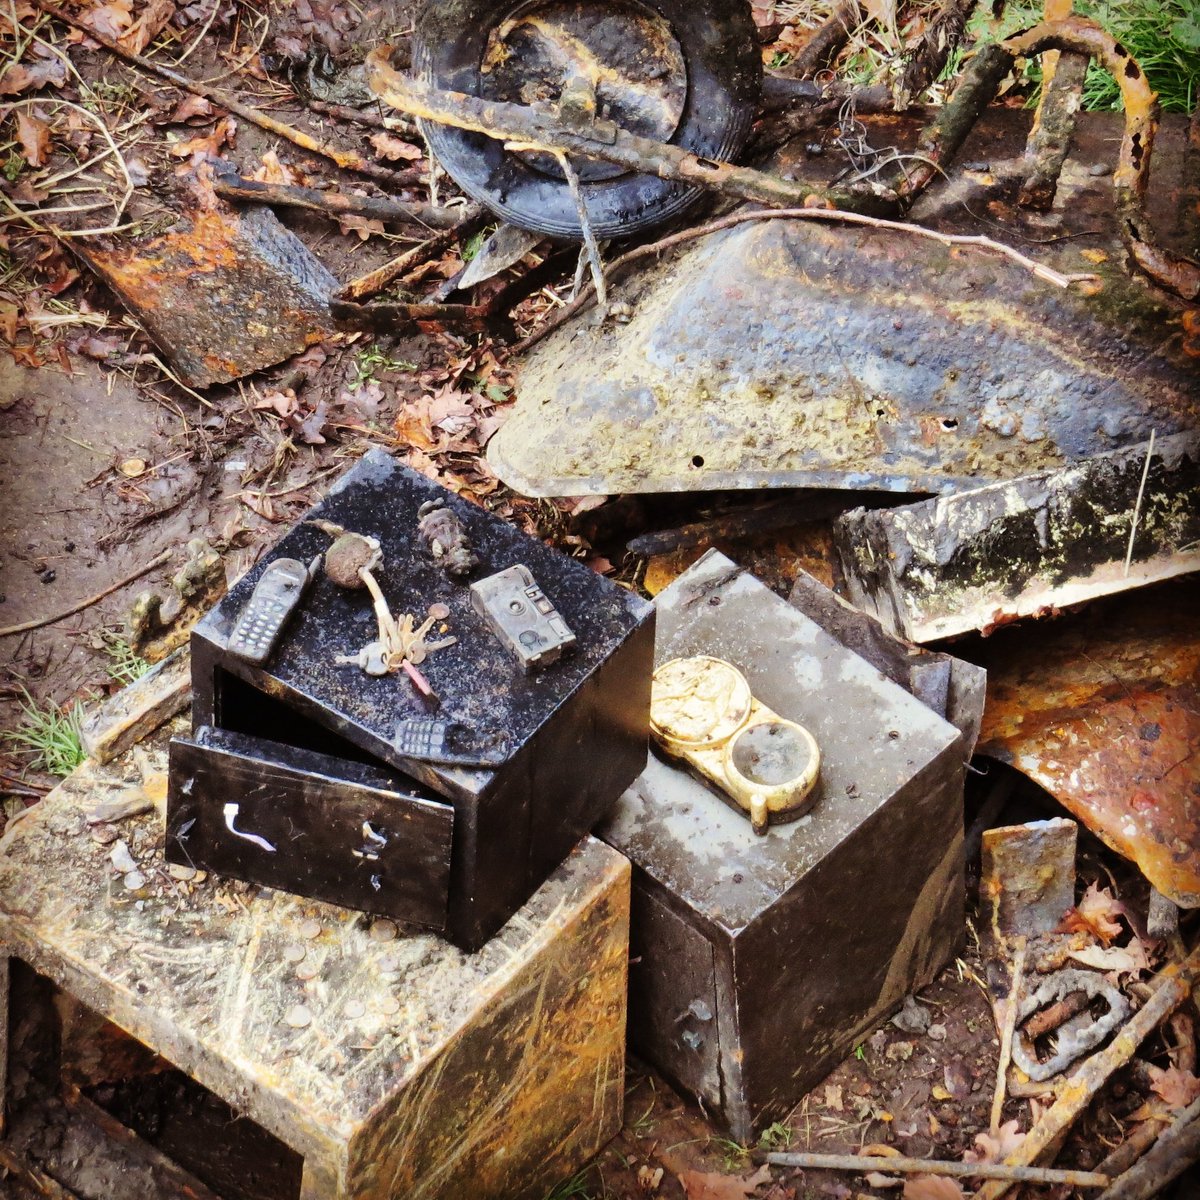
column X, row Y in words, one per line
column 682, row 71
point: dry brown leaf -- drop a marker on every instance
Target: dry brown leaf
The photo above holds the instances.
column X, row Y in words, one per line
column 203, row 146
column 1177, row 1088
column 1125, row 960
column 360, row 225
column 996, row 1149
column 1096, row 913
column 17, row 78
column 34, row 136
column 153, row 17
column 110, row 20
column 703, row 1185
column 273, row 170
column 188, row 108
column 284, row 403
column 877, row 1179
column 395, row 150
column 932, row 1187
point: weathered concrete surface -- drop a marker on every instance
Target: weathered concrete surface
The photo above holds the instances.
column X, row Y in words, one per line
column 991, row 555
column 757, row 961
column 414, row 1069
column 1102, row 708
column 797, row 355
column 138, row 709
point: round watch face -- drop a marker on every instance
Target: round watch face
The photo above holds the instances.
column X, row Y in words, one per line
column 698, row 701
column 772, row 754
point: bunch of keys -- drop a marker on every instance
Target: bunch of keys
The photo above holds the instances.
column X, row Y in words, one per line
column 401, row 645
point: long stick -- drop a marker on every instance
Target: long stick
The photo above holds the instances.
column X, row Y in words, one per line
column 347, row 159
column 586, row 299
column 935, row 1166
column 1172, row 987
column 1011, row 1006
column 375, row 281
column 25, row 627
column 1177, row 1148
column 335, row 204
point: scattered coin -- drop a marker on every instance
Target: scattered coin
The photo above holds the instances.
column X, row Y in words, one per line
column 298, row 1017
column 183, row 874
column 383, row 931
column 439, row 612
column 389, row 1006
column 310, row 929
column 308, row 970
column 356, row 1010
column 294, row 953
column 131, row 468
column 104, row 834
column 389, row 962
column 134, row 880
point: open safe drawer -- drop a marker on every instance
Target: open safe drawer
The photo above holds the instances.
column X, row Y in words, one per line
column 293, row 819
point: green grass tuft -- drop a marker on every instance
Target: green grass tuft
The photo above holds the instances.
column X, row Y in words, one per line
column 125, row 665
column 51, row 735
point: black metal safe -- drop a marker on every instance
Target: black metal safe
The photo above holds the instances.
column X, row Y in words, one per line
column 315, row 777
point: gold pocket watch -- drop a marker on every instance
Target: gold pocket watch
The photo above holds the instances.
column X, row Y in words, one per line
column 703, row 712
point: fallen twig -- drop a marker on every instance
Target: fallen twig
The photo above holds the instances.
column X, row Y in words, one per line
column 349, row 160
column 942, row 35
column 1172, row 987
column 1137, row 508
column 585, row 299
column 1177, row 1148
column 828, row 39
column 1011, row 1007
column 375, row 281
column 39, row 622
column 335, row 204
column 933, row 1166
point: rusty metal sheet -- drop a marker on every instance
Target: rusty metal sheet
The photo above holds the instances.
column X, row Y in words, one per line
column 785, row 354
column 1103, row 710
column 223, row 293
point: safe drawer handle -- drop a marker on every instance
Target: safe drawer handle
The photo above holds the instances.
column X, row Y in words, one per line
column 231, row 812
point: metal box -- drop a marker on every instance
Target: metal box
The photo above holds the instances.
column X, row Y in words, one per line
column 356, row 790
column 757, row 962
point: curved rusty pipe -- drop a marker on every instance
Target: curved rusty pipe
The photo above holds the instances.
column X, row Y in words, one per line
column 1175, row 272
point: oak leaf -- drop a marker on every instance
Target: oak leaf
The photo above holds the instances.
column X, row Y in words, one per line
column 34, row 136
column 989, row 1149
column 1096, row 913
column 703, row 1185
column 932, row 1187
column 1178, row 1088
column 18, row 78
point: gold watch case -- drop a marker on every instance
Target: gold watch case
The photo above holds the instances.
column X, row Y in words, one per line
column 703, row 712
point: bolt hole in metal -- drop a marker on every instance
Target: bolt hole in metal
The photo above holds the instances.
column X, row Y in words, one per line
column 623, row 54
column 698, row 461
column 771, row 754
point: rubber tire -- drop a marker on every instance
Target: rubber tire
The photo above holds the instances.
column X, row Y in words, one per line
column 720, row 47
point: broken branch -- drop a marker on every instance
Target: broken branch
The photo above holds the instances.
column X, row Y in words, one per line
column 26, row 626
column 335, row 204
column 934, row 1166
column 347, row 159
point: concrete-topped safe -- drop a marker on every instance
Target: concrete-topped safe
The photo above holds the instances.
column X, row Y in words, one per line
column 757, row 960
column 411, row 708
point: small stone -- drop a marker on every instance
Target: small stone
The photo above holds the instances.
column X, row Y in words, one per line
column 183, row 874
column 308, row 970
column 298, row 1017
column 383, row 931
column 937, row 1033
column 294, row 953
column 104, row 834
column 134, row 880
column 310, row 929
column 1099, row 169
column 122, row 860
column 355, row 1010
column 977, row 167
column 389, row 1006
column 913, row 1018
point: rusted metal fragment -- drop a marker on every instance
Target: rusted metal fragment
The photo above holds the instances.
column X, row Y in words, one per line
column 1103, row 710
column 394, row 1063
column 139, row 709
column 1028, row 876
column 1078, row 1035
column 774, row 355
column 223, row 293
column 989, row 556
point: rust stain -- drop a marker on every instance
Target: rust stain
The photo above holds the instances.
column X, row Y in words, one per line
column 1104, row 712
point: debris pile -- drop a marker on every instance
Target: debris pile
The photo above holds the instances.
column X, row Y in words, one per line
column 875, row 836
